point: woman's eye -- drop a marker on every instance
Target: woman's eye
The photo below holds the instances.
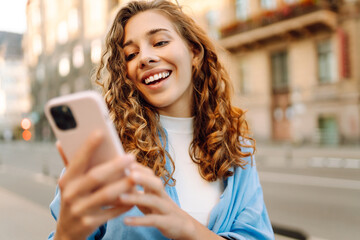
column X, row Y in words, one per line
column 130, row 57
column 161, row 43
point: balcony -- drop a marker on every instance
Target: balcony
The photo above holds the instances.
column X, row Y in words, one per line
column 289, row 21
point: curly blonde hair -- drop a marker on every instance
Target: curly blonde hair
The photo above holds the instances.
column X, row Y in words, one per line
column 220, row 129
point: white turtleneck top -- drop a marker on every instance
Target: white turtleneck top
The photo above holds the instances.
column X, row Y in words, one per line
column 197, row 196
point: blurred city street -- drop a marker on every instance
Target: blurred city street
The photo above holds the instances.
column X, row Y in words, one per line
column 25, row 189
column 313, row 191
column 294, row 69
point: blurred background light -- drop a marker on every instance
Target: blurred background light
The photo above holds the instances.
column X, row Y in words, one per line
column 64, row 66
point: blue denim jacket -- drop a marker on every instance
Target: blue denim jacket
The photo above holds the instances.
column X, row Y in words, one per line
column 240, row 213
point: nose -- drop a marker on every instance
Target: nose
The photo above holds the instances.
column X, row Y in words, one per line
column 147, row 58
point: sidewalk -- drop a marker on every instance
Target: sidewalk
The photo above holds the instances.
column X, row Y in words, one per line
column 22, row 219
column 28, row 174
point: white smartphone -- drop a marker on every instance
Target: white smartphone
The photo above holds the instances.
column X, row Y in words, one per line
column 73, row 117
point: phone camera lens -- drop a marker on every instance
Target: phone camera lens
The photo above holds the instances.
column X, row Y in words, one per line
column 63, row 117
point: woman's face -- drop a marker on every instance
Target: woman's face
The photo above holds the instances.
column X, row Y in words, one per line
column 159, row 62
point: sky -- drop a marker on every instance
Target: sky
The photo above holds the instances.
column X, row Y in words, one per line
column 13, row 15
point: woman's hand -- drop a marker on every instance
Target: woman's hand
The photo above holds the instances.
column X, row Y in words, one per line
column 159, row 209
column 90, row 197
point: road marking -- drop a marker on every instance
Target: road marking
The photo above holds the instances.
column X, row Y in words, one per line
column 320, row 162
column 352, row 163
column 309, row 180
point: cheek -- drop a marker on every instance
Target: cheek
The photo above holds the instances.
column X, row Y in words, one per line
column 183, row 62
column 131, row 72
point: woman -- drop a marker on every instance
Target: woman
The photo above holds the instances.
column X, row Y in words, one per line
column 190, row 172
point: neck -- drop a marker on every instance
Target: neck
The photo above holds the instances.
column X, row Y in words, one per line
column 180, row 109
column 175, row 113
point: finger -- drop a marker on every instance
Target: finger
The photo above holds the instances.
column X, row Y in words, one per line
column 103, row 215
column 144, row 200
column 105, row 196
column 144, row 176
column 61, row 152
column 113, row 212
column 141, row 168
column 101, row 175
column 150, row 220
column 144, row 210
column 80, row 163
column 171, row 228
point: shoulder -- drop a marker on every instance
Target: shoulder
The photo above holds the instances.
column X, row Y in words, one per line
column 247, row 147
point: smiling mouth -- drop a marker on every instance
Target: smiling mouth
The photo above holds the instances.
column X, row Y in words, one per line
column 157, row 78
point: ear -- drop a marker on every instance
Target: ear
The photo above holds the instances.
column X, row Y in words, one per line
column 196, row 56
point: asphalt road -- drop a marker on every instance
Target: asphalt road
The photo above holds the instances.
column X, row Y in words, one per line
column 309, row 192
column 324, row 212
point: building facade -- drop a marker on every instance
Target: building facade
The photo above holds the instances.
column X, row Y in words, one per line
column 14, row 86
column 296, row 68
column 62, row 45
column 293, row 62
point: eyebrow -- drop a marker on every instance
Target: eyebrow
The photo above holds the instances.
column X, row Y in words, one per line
column 149, row 33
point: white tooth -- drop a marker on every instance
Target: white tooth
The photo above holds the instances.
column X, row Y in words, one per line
column 157, row 77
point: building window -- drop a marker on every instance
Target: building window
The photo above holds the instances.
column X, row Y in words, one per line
column 78, row 56
column 279, row 70
column 37, row 45
column 36, row 17
column 328, row 130
column 64, row 66
column 73, row 20
column 241, row 8
column 96, row 8
column 62, row 32
column 326, row 66
column 268, row 4
column 2, row 102
column 96, row 51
